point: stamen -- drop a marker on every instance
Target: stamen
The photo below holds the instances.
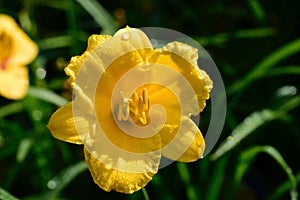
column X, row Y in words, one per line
column 133, row 105
column 146, row 100
column 143, row 118
column 137, row 107
column 124, row 111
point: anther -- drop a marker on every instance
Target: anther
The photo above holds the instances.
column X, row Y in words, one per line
column 136, row 107
column 143, row 118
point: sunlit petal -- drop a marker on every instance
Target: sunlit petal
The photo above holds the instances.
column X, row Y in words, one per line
column 14, row 82
column 199, row 81
column 67, row 127
column 77, row 61
column 109, row 178
column 137, row 38
column 23, row 49
column 128, row 142
column 187, row 145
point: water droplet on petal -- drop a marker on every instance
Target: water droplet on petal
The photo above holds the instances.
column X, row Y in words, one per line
column 125, row 36
column 154, row 43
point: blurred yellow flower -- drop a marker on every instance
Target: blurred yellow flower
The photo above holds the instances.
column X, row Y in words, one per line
column 132, row 105
column 16, row 51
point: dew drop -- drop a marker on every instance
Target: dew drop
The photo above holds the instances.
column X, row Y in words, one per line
column 51, row 184
column 288, row 90
column 125, row 36
column 154, row 42
column 37, row 115
column 40, row 73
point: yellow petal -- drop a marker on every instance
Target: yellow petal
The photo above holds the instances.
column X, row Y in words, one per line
column 106, row 49
column 96, row 40
column 104, row 66
column 182, row 58
column 128, row 142
column 76, row 61
column 106, row 84
column 23, row 49
column 188, row 145
column 14, row 81
column 137, row 38
column 113, row 173
column 67, row 127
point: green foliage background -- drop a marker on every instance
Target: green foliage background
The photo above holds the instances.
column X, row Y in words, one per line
column 254, row 43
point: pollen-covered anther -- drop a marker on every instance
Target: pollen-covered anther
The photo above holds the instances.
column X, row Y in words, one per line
column 135, row 107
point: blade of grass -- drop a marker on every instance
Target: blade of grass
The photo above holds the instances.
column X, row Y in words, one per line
column 61, row 41
column 257, row 10
column 72, row 28
column 284, row 70
column 46, row 95
column 184, row 175
column 23, row 149
column 283, row 188
column 246, row 158
column 251, row 123
column 57, row 4
column 217, row 178
column 274, row 58
column 11, row 108
column 4, row 195
column 100, row 15
column 58, row 183
column 222, row 38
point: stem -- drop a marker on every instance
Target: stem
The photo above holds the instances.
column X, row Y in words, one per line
column 145, row 194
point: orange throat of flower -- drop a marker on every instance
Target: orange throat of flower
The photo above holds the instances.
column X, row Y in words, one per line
column 5, row 49
column 135, row 108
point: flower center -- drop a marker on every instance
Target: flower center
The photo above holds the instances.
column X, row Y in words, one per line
column 136, row 108
column 5, row 49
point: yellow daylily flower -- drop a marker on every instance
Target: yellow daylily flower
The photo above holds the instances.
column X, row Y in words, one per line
column 16, row 51
column 132, row 105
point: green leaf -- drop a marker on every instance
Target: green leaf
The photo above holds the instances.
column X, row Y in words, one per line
column 251, row 123
column 283, row 188
column 23, row 149
column 61, row 181
column 284, row 70
column 11, row 108
column 185, row 177
column 46, row 95
column 58, row 183
column 257, row 10
column 4, row 195
column 247, row 157
column 61, row 41
column 217, row 179
column 261, row 69
column 222, row 38
column 100, row 15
